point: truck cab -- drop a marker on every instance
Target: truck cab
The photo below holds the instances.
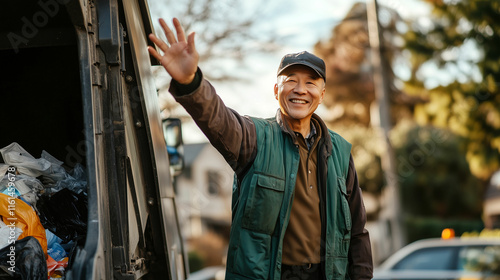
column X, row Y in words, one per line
column 77, row 82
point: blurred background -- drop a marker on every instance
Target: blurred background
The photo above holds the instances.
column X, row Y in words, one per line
column 413, row 85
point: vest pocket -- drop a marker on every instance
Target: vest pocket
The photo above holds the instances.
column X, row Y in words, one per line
column 345, row 204
column 342, row 236
column 252, row 256
column 263, row 203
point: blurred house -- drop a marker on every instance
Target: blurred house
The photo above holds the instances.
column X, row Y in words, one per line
column 203, row 192
column 491, row 210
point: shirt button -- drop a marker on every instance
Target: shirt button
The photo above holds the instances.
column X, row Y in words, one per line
column 311, row 187
column 309, row 171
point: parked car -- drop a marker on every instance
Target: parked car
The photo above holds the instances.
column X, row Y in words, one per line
column 454, row 258
column 209, row 273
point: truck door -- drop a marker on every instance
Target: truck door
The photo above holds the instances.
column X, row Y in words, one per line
column 83, row 65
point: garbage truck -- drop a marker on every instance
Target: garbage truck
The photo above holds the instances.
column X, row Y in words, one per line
column 77, row 82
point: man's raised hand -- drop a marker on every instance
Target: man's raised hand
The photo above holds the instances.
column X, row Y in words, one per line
column 180, row 59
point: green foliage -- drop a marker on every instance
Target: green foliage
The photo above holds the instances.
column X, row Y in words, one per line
column 433, row 173
column 488, row 261
column 195, row 261
column 367, row 147
column 460, row 45
column 424, row 227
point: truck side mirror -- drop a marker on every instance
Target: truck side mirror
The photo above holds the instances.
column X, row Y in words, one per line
column 172, row 132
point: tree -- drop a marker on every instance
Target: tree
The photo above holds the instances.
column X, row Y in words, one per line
column 227, row 35
column 350, row 91
column 437, row 187
column 454, row 63
column 451, row 191
column 227, row 32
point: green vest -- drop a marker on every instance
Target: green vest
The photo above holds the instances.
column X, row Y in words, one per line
column 261, row 206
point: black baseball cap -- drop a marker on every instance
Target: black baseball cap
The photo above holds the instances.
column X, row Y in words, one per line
column 303, row 58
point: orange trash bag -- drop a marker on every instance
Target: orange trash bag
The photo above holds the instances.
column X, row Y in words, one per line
column 18, row 212
column 55, row 269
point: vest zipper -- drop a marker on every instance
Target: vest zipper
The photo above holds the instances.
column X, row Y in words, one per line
column 322, row 177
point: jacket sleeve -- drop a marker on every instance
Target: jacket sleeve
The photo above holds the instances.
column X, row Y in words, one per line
column 231, row 134
column 360, row 254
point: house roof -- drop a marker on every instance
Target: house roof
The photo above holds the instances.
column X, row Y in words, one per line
column 192, row 151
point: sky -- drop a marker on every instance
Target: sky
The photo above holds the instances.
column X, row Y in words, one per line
column 301, row 24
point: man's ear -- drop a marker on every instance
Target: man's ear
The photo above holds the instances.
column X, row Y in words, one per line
column 276, row 91
column 322, row 95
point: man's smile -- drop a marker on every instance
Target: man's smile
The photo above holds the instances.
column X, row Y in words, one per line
column 298, row 101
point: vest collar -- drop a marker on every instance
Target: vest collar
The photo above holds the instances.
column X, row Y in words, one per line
column 325, row 134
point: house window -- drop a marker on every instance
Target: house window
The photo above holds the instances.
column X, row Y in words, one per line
column 214, row 180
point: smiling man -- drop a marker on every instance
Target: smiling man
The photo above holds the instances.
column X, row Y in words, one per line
column 300, row 89
column 297, row 207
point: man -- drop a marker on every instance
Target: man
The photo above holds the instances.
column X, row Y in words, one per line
column 297, row 207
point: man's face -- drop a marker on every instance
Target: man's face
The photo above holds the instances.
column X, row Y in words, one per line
column 299, row 91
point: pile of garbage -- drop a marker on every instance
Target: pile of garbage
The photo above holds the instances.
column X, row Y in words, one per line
column 43, row 214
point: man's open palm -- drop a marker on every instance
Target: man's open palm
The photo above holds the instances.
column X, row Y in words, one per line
column 180, row 59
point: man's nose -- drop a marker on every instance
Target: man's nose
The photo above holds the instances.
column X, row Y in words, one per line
column 300, row 88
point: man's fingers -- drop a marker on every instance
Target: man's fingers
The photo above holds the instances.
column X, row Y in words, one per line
column 154, row 53
column 190, row 42
column 160, row 43
column 181, row 37
column 168, row 33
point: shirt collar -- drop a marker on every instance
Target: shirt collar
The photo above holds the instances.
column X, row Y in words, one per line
column 286, row 128
column 313, row 131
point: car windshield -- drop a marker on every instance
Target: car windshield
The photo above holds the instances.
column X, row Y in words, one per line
column 473, row 258
column 437, row 258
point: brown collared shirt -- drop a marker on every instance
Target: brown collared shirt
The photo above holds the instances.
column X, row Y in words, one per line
column 302, row 242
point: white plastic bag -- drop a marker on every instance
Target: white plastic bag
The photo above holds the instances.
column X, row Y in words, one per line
column 25, row 163
column 3, row 169
column 5, row 234
column 24, row 184
column 75, row 180
column 57, row 172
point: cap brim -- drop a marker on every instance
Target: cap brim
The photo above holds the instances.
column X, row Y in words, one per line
column 310, row 65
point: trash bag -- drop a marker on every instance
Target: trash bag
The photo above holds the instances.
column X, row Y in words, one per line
column 56, row 252
column 8, row 232
column 55, row 268
column 25, row 163
column 51, row 238
column 54, row 248
column 24, row 217
column 64, row 213
column 25, row 186
column 75, row 180
column 57, row 171
column 26, row 261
